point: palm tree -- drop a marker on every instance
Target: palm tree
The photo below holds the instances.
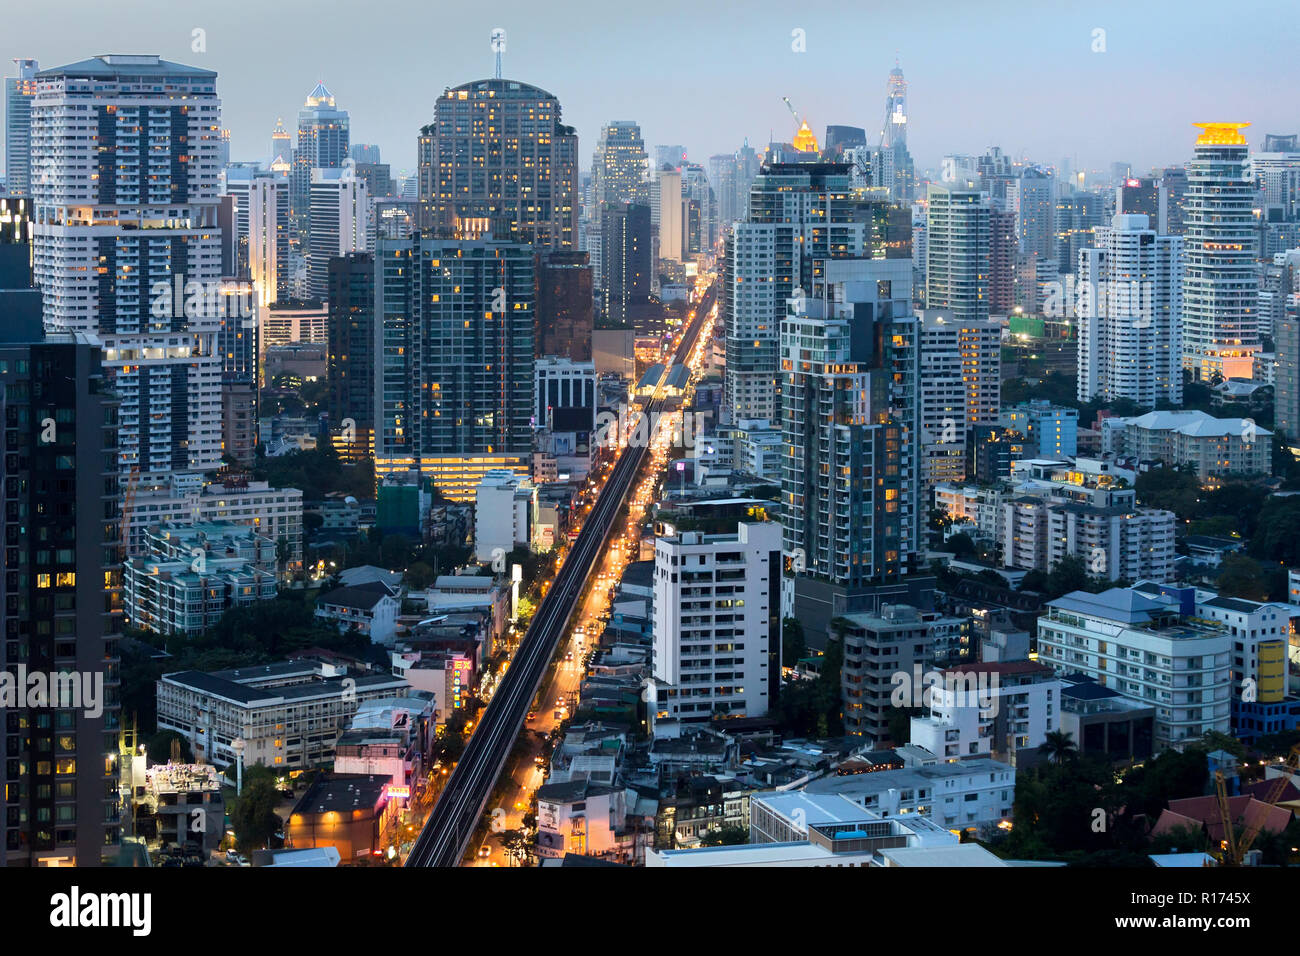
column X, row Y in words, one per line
column 1059, row 746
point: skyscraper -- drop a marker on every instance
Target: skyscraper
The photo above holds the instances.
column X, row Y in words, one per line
column 958, row 257
column 496, row 159
column 354, row 348
column 323, row 137
column 19, row 93
column 565, row 313
column 281, row 143
column 960, row 389
column 848, row 426
column 624, row 262
column 455, row 373
column 61, row 612
column 1130, row 315
column 619, row 166
column 119, row 248
column 261, row 220
column 1220, row 332
column 798, row 212
column 670, row 214
column 895, row 158
column 341, row 222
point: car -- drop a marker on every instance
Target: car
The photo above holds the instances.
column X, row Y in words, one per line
column 532, row 715
column 558, row 715
column 568, row 657
column 484, row 851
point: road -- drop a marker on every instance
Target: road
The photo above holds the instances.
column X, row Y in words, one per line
column 456, row 815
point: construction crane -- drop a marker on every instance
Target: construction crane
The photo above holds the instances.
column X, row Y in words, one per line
column 804, row 139
column 1234, row 851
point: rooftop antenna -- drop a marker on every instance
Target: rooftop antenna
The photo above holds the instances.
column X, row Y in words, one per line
column 499, row 46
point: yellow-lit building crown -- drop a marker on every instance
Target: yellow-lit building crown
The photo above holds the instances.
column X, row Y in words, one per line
column 1221, row 134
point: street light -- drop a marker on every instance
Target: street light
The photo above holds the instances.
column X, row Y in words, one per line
column 238, row 745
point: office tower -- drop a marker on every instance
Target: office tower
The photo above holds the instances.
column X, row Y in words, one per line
column 1130, row 297
column 564, row 395
column 1144, row 197
column 798, row 212
column 281, row 143
column 958, row 257
column 1077, row 215
column 16, row 248
column 893, row 140
column 1176, row 184
column 565, row 312
column 1032, row 197
column 20, row 91
column 323, row 131
column 261, row 227
column 1004, row 252
column 699, row 211
column 849, row 367
column 341, row 222
column 624, row 262
column 364, row 153
column 732, row 175
column 118, row 252
column 1276, row 170
column 378, row 178
column 840, row 138
column 671, row 156
column 61, row 609
column 1220, row 330
column 1287, row 399
column 354, row 350
column 717, row 623
column 497, row 160
column 455, row 376
column 619, row 166
column 961, row 387
column 670, row 214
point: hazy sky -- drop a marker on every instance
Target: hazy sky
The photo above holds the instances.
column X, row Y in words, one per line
column 708, row 74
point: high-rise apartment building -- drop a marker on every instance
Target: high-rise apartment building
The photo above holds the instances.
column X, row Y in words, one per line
column 1220, row 322
column 125, row 154
column 798, row 213
column 323, row 136
column 1286, row 415
column 455, row 371
column 342, row 221
column 717, row 623
column 19, row 93
column 1130, row 300
column 848, row 421
column 1032, row 197
column 960, row 388
column 958, row 250
column 497, row 160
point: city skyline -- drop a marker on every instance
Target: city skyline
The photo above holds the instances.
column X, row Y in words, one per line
column 1047, row 96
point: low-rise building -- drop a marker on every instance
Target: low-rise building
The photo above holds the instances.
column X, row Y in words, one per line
column 274, row 513
column 288, row 715
column 191, row 574
column 1213, row 447
column 349, row 812
column 982, row 709
column 963, row 795
column 1155, row 651
column 505, row 511
column 186, row 804
column 371, row 608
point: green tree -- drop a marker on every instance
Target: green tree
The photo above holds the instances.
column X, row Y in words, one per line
column 729, row 835
column 1242, row 577
column 253, row 815
column 1059, row 746
column 793, row 645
